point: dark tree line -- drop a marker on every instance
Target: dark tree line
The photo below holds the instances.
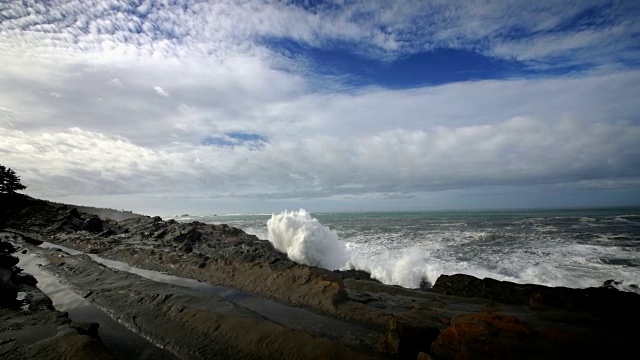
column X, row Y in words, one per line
column 9, row 181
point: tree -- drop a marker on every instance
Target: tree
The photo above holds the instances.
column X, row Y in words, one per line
column 9, row 181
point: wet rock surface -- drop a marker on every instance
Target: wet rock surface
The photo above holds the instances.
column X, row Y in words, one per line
column 461, row 317
column 30, row 328
column 604, row 301
column 190, row 323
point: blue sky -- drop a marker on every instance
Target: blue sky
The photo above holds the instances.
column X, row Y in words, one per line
column 258, row 106
column 434, row 67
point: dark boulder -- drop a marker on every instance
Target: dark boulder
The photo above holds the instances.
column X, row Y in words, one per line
column 21, row 278
column 6, row 248
column 487, row 288
column 600, row 300
column 72, row 220
column 8, row 288
column 8, row 261
column 93, row 224
column 355, row 274
column 610, row 284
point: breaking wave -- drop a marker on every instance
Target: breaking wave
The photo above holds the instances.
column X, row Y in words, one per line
column 305, row 240
column 417, row 259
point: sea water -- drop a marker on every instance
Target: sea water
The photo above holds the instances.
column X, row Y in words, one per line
column 573, row 248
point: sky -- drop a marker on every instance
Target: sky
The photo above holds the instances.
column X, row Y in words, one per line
column 186, row 106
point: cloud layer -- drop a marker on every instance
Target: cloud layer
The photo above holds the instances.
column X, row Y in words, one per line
column 191, row 98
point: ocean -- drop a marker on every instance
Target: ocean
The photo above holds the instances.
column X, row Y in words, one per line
column 573, row 247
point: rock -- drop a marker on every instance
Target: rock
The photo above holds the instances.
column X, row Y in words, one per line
column 405, row 341
column 88, row 328
column 107, row 233
column 6, row 248
column 72, row 221
column 68, row 344
column 470, row 286
column 30, row 327
column 31, row 240
column 484, row 336
column 489, row 335
column 610, row 284
column 602, row 300
column 35, row 299
column 8, row 261
column 425, row 284
column 8, row 289
column 355, row 274
column 423, row 356
column 196, row 324
column 93, row 224
column 21, row 278
column 561, row 322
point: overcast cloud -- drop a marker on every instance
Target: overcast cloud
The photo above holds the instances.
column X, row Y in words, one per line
column 190, row 101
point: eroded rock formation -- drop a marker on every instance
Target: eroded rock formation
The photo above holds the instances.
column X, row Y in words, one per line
column 461, row 317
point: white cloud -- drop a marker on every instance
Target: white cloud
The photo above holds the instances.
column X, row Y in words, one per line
column 117, row 82
column 113, row 30
column 110, row 134
column 161, row 91
column 518, row 151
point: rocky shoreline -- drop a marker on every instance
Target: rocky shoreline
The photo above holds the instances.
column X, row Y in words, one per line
column 461, row 317
column 30, row 327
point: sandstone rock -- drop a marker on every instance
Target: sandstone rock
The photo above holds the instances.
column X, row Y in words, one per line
column 196, row 324
column 485, row 336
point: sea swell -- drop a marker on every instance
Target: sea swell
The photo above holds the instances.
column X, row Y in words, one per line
column 417, row 258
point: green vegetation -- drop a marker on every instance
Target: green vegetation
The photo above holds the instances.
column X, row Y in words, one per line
column 9, row 181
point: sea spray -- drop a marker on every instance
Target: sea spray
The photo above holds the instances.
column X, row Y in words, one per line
column 409, row 268
column 573, row 248
column 306, row 241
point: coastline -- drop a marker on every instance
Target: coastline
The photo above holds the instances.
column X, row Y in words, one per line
column 461, row 317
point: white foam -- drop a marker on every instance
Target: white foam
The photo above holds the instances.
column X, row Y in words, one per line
column 410, row 258
column 306, row 241
column 409, row 268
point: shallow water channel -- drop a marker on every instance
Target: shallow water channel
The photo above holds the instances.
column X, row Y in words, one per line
column 289, row 316
column 121, row 342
